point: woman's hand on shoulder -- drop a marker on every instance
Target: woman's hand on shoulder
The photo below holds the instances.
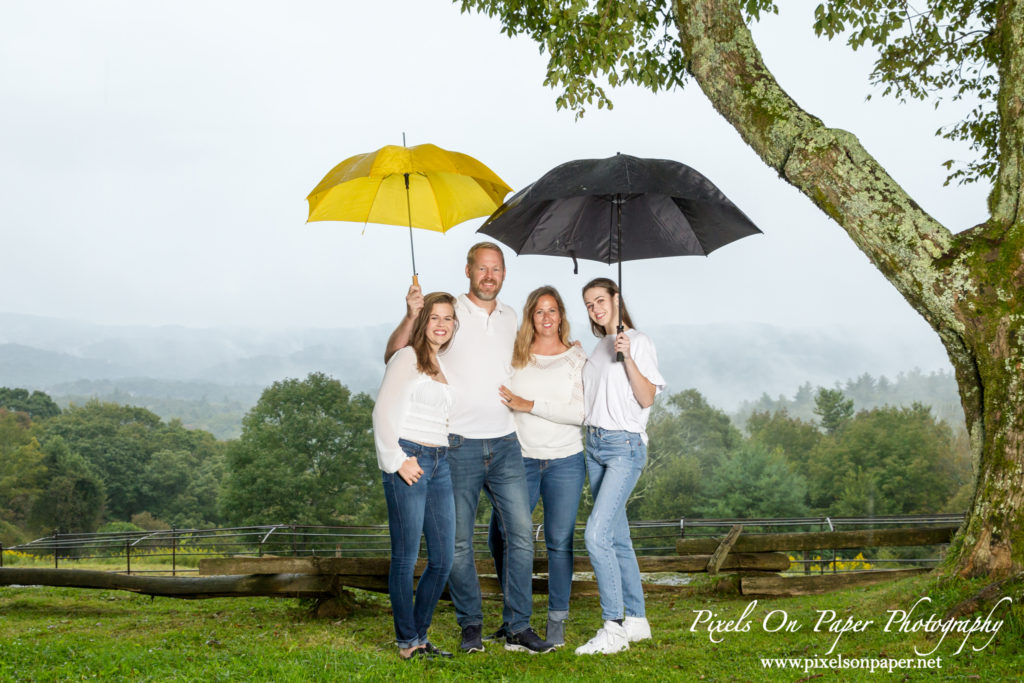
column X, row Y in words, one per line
column 513, row 401
column 410, row 471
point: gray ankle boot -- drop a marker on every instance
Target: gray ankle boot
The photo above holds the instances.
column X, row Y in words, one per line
column 555, row 633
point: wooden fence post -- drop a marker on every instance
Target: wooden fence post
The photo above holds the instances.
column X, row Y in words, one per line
column 718, row 557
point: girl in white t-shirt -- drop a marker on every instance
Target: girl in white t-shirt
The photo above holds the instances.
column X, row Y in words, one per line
column 410, row 429
column 617, row 398
column 546, row 393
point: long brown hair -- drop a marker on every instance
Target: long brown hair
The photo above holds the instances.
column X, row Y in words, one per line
column 612, row 289
column 524, row 338
column 419, row 343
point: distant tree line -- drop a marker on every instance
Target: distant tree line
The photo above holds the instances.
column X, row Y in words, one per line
column 935, row 389
column 77, row 469
column 305, row 456
column 884, row 461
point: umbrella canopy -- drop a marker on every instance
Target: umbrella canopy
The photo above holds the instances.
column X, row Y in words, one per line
column 619, row 209
column 662, row 207
column 419, row 187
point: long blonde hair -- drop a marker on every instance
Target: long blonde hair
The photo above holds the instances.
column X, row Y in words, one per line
column 418, row 338
column 524, row 338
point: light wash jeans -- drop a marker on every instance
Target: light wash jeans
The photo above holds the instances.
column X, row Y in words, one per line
column 424, row 509
column 615, row 460
column 558, row 483
column 494, row 466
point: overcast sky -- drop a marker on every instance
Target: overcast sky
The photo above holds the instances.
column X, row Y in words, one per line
column 155, row 158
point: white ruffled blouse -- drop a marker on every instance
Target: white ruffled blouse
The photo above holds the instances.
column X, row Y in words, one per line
column 411, row 406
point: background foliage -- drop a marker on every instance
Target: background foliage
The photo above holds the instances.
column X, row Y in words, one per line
column 305, row 456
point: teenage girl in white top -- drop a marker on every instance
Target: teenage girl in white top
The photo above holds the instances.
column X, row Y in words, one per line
column 617, row 401
column 548, row 370
column 410, row 426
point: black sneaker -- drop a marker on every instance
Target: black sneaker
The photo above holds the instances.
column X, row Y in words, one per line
column 471, row 641
column 435, row 651
column 499, row 635
column 527, row 641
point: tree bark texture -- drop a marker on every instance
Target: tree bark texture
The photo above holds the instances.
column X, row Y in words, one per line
column 968, row 286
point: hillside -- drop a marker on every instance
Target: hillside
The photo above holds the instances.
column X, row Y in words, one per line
column 209, row 377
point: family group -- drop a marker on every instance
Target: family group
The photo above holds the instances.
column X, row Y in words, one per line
column 473, row 401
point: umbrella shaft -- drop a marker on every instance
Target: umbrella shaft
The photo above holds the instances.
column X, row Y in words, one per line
column 618, row 225
column 408, row 210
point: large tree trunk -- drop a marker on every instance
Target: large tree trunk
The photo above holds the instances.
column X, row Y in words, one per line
column 967, row 286
column 992, row 539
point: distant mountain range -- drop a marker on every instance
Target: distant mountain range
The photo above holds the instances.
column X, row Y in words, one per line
column 728, row 363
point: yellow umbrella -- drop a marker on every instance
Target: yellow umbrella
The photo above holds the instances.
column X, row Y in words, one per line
column 421, row 187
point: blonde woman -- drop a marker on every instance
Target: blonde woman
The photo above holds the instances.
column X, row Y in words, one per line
column 410, row 426
column 546, row 394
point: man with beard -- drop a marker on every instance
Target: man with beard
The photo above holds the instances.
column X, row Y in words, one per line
column 483, row 451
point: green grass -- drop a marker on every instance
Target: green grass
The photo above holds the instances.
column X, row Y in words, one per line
column 52, row 634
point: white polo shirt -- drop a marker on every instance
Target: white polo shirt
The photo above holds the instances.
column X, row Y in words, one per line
column 479, row 361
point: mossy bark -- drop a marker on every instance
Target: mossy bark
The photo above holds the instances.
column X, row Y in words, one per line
column 967, row 286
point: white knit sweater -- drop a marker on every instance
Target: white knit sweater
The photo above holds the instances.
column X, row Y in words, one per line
column 555, row 385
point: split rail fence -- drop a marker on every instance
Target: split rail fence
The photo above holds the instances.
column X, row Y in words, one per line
column 815, row 554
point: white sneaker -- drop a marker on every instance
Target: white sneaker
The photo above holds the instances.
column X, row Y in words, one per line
column 637, row 629
column 609, row 640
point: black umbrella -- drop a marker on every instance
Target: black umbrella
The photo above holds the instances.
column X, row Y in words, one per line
column 619, row 209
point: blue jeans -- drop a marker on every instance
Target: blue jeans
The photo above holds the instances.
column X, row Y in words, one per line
column 614, row 462
column 424, row 509
column 494, row 466
column 559, row 484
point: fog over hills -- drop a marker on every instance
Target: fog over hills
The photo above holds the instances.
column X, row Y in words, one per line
column 728, row 362
column 731, row 363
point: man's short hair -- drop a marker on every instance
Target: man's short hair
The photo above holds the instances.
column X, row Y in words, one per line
column 483, row 245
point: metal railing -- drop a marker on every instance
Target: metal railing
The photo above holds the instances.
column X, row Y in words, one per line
column 178, row 550
column 774, row 525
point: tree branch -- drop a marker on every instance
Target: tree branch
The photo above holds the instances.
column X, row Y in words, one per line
column 827, row 165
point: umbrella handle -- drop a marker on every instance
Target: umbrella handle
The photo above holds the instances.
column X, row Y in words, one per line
column 619, row 358
column 416, row 280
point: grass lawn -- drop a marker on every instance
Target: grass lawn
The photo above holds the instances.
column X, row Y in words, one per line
column 49, row 634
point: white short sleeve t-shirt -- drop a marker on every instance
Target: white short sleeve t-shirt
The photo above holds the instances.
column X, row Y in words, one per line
column 608, row 400
column 476, row 364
